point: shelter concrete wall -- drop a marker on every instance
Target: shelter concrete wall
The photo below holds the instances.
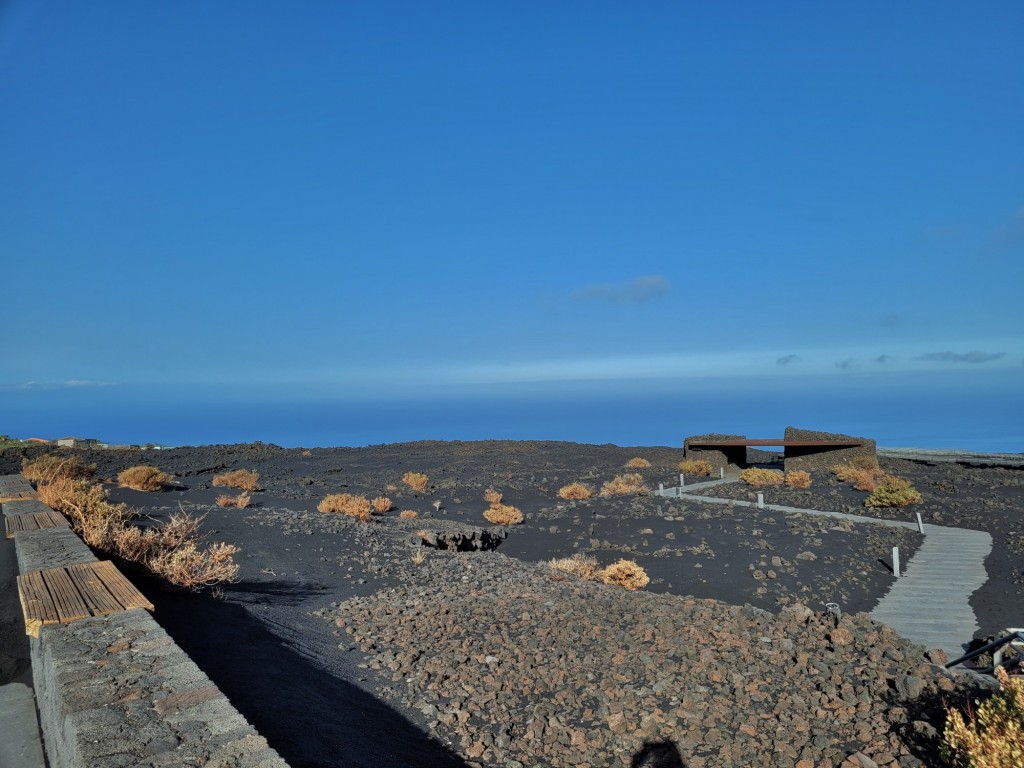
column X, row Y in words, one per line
column 809, row 459
column 719, row 457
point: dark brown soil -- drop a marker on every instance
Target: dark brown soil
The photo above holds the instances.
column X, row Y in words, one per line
column 356, row 644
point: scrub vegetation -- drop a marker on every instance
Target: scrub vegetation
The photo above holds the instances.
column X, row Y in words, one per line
column 171, row 550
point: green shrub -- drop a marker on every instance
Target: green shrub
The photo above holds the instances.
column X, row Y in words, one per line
column 991, row 737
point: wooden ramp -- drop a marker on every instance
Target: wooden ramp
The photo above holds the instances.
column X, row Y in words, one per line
column 34, row 521
column 62, row 595
column 15, row 488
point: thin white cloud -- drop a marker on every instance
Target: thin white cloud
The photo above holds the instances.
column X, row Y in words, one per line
column 69, row 384
column 635, row 291
column 962, row 357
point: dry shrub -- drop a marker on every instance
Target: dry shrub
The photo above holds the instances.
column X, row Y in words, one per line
column 624, row 485
column 579, row 564
column 992, row 737
column 307, row 453
column 381, row 504
column 53, row 466
column 864, row 462
column 242, row 501
column 242, row 479
column 696, row 467
column 626, row 574
column 760, row 478
column 144, row 478
column 863, row 473
column 415, row 480
column 638, row 463
column 893, row 492
column 346, row 504
column 171, row 550
column 798, row 478
column 92, row 516
column 189, row 567
column 503, row 514
column 408, row 514
column 492, row 496
column 576, row 492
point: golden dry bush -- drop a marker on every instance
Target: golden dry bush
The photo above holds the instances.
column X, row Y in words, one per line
column 798, row 478
column 242, row 479
column 760, row 478
column 408, row 514
column 624, row 485
column 893, row 492
column 638, row 463
column 170, row 550
column 862, row 473
column 993, row 735
column 503, row 514
column 575, row 492
column 418, row 557
column 583, row 566
column 52, row 466
column 696, row 467
column 242, row 501
column 144, row 478
column 189, row 567
column 492, row 496
column 415, row 480
column 864, row 462
column 381, row 504
column 307, row 453
column 346, row 504
column 86, row 506
column 626, row 574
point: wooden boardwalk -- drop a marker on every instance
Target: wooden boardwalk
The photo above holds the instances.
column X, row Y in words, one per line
column 929, row 603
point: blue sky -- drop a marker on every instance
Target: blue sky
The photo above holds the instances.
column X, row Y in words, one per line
column 387, row 199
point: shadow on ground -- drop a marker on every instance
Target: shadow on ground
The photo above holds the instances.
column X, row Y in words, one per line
column 313, row 717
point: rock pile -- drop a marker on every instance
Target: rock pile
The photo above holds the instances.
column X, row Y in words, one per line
column 527, row 666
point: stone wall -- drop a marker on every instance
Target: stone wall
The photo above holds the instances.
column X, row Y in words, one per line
column 719, row 457
column 824, row 457
column 117, row 691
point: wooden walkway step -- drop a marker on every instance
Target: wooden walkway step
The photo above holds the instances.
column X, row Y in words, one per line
column 34, row 521
column 62, row 595
column 15, row 488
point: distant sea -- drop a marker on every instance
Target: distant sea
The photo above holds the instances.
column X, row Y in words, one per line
column 949, row 415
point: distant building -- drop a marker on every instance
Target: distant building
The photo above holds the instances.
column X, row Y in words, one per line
column 77, row 442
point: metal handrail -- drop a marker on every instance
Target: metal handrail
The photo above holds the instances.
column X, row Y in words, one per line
column 1017, row 635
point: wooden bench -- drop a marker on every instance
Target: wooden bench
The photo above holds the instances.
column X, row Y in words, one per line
column 62, row 595
column 34, row 521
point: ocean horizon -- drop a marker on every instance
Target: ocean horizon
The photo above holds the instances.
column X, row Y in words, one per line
column 946, row 416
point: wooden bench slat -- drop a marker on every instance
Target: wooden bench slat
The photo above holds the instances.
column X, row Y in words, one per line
column 70, row 605
column 96, row 596
column 36, row 603
column 125, row 592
